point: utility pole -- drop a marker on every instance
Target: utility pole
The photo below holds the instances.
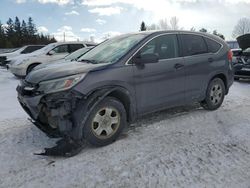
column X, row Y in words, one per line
column 63, row 36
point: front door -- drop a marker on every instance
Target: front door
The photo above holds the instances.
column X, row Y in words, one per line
column 161, row 84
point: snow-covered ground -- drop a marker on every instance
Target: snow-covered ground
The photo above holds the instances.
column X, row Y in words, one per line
column 182, row 147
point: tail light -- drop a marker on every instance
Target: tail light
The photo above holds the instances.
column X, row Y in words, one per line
column 230, row 56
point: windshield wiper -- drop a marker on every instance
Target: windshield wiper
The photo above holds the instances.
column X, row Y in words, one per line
column 88, row 61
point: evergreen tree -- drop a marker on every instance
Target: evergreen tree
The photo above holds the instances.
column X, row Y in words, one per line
column 2, row 36
column 10, row 32
column 219, row 34
column 31, row 27
column 17, row 34
column 203, row 30
column 24, row 33
column 143, row 26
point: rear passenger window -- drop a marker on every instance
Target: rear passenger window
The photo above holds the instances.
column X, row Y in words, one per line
column 193, row 45
column 74, row 47
column 213, row 46
column 165, row 47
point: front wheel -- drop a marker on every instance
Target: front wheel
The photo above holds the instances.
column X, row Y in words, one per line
column 105, row 122
column 215, row 95
column 30, row 68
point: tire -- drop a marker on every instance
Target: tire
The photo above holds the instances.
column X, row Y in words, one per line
column 214, row 95
column 30, row 68
column 99, row 130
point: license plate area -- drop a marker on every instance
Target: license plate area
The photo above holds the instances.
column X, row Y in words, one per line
column 245, row 69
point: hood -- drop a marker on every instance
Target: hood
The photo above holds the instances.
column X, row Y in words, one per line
column 59, row 70
column 52, row 63
column 10, row 54
column 21, row 56
column 244, row 41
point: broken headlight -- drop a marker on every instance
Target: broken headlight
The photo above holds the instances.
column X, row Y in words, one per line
column 60, row 84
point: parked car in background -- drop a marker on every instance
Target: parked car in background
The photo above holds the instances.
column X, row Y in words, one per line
column 242, row 58
column 233, row 44
column 5, row 57
column 122, row 79
column 69, row 58
column 47, row 54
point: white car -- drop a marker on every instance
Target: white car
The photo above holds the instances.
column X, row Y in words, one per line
column 47, row 54
column 5, row 57
column 67, row 59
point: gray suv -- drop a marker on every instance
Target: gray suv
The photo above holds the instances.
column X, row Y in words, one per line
column 124, row 78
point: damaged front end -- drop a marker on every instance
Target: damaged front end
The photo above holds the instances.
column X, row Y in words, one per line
column 53, row 114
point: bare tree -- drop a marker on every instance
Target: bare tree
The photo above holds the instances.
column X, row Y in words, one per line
column 174, row 23
column 242, row 27
column 153, row 27
column 163, row 24
column 192, row 29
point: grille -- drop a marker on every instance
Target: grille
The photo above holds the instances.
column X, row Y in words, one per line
column 3, row 58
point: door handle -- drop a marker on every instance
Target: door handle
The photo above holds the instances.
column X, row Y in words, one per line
column 178, row 66
column 210, row 60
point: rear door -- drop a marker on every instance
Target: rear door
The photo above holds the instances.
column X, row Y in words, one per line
column 197, row 60
column 161, row 84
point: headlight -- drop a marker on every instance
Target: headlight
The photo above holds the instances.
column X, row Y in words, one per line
column 21, row 61
column 61, row 84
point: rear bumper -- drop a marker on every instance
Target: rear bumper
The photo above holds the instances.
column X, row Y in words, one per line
column 242, row 71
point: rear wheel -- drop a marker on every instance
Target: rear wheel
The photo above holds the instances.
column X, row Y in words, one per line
column 215, row 95
column 105, row 122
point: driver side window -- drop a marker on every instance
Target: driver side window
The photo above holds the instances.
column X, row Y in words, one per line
column 165, row 47
column 61, row 49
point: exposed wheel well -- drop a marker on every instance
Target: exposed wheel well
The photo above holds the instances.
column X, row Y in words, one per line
column 223, row 78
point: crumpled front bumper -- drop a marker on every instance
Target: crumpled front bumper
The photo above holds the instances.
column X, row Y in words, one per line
column 30, row 105
column 51, row 113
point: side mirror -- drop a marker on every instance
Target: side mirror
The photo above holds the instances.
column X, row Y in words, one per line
column 145, row 59
column 51, row 52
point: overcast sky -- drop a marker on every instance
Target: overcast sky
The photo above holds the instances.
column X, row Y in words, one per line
column 80, row 19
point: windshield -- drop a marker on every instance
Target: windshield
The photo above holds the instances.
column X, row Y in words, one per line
column 44, row 49
column 77, row 54
column 233, row 45
column 112, row 50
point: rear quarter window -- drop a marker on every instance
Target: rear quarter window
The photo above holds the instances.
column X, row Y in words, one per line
column 30, row 49
column 213, row 46
column 74, row 47
column 193, row 45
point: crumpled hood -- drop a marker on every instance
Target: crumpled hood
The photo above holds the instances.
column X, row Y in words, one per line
column 244, row 41
column 60, row 70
